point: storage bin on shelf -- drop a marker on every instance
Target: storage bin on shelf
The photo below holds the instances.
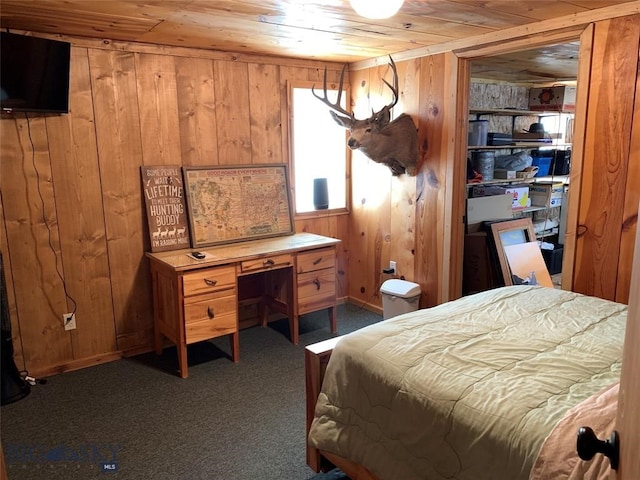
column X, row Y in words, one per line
column 542, row 159
column 518, row 192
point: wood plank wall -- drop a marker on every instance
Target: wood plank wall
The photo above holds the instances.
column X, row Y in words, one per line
column 607, row 216
column 403, row 218
column 74, row 231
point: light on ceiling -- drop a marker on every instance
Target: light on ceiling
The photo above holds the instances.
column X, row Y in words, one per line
column 376, row 8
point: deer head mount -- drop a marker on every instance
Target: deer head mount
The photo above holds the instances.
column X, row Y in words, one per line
column 392, row 143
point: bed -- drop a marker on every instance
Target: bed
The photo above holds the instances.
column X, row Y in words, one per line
column 472, row 389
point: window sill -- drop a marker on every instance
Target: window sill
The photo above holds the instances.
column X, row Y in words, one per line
column 322, row 213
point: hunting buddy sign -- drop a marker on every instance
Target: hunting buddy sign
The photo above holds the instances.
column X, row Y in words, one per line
column 166, row 213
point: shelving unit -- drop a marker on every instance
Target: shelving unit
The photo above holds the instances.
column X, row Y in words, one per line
column 511, row 146
column 514, row 112
column 548, row 220
column 519, row 212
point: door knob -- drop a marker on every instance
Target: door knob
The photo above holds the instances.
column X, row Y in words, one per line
column 588, row 445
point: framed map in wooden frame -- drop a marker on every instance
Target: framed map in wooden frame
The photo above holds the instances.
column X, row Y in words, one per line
column 166, row 208
column 229, row 204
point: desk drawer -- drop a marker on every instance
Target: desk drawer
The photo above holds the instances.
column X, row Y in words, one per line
column 209, row 280
column 316, row 260
column 210, row 308
column 211, row 328
column 316, row 288
column 267, row 263
column 210, row 318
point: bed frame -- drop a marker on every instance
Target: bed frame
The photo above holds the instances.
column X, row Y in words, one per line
column 316, row 358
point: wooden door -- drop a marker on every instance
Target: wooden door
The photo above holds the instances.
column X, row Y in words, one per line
column 628, row 420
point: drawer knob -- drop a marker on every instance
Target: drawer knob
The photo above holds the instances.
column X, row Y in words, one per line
column 317, row 261
column 268, row 263
column 210, row 312
column 316, row 282
column 211, row 283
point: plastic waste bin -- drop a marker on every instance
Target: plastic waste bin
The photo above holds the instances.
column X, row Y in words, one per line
column 398, row 297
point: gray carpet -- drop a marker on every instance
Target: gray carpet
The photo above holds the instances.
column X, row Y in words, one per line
column 136, row 419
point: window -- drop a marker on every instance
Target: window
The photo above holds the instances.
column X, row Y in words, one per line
column 318, row 150
column 562, row 124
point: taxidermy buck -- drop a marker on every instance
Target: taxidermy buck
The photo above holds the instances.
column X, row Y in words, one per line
column 392, row 143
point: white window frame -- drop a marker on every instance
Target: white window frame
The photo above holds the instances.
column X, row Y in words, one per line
column 318, row 169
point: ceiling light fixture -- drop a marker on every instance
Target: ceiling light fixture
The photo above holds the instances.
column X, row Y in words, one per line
column 376, row 9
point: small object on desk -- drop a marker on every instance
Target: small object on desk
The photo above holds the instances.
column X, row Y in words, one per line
column 197, row 255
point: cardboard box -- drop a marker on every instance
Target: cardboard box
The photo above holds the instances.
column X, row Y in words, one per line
column 482, row 209
column 519, row 193
column 546, row 194
column 553, row 99
column 504, row 174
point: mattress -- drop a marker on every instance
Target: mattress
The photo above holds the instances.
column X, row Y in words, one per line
column 469, row 389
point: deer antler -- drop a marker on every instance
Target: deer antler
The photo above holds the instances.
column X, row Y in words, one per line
column 334, row 106
column 393, row 88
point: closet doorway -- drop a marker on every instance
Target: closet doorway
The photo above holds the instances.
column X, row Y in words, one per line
column 502, row 93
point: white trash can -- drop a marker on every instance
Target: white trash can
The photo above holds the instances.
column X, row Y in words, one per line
column 398, row 297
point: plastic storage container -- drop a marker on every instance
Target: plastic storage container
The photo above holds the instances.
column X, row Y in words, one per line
column 478, row 131
column 398, row 297
column 542, row 160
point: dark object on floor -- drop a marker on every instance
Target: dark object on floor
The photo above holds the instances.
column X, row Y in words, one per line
column 14, row 388
column 335, row 474
column 553, row 259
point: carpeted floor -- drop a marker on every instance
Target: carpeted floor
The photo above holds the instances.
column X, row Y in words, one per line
column 136, row 419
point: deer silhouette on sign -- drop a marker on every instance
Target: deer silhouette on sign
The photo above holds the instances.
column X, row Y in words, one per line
column 392, row 143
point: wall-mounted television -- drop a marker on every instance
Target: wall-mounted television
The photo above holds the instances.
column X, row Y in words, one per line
column 34, row 74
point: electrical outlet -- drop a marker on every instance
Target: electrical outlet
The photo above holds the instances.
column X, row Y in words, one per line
column 392, row 266
column 69, row 321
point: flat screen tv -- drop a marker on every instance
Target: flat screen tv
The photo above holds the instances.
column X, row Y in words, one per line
column 34, row 74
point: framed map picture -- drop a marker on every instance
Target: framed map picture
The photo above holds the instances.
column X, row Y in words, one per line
column 166, row 209
column 236, row 203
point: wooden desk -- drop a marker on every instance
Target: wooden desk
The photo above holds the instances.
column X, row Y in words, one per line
column 197, row 300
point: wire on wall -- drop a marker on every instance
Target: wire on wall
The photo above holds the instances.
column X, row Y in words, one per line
column 44, row 218
column 348, row 303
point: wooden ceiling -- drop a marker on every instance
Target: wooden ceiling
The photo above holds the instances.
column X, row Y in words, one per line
column 326, row 30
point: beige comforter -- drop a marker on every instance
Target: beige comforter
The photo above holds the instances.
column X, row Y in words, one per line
column 468, row 389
